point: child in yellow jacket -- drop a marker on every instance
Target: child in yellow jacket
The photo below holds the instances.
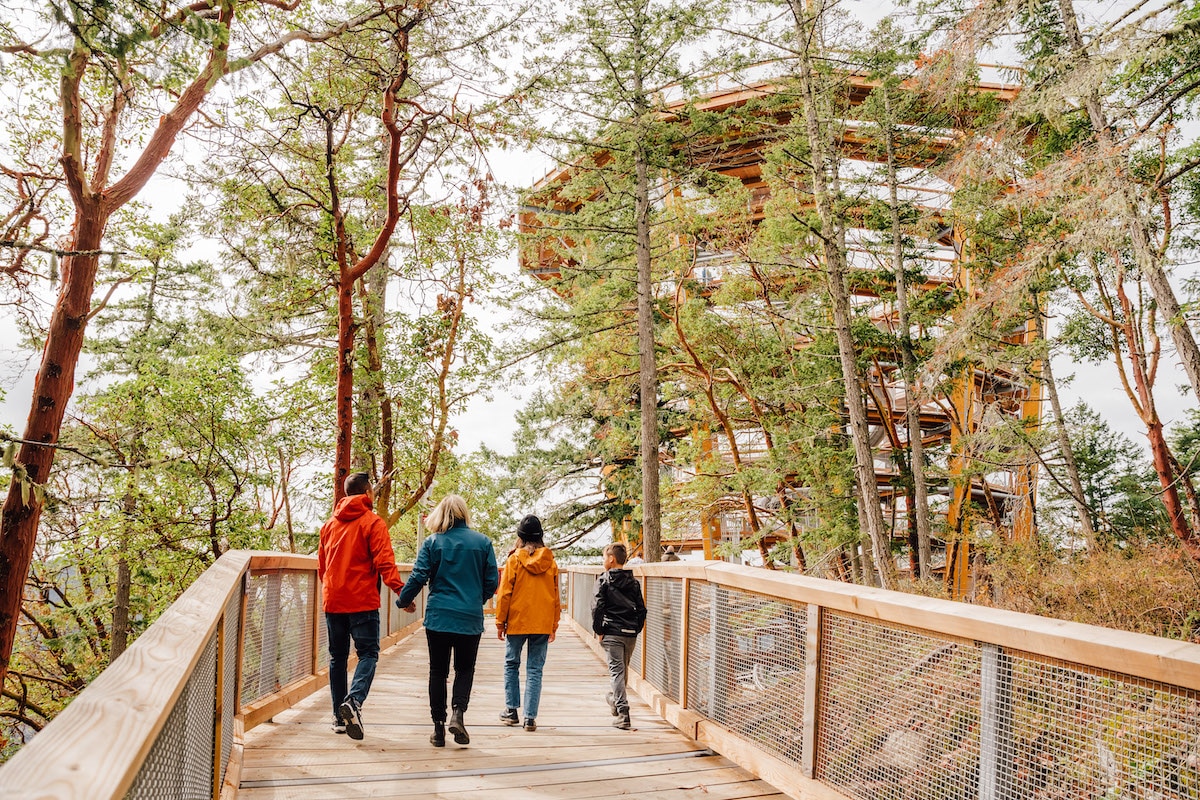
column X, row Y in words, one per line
column 527, row 612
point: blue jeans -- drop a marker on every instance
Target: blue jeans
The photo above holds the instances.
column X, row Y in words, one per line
column 538, row 645
column 363, row 628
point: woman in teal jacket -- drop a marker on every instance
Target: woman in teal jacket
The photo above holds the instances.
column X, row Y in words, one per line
column 459, row 566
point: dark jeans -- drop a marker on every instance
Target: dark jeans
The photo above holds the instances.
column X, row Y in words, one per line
column 363, row 628
column 465, row 648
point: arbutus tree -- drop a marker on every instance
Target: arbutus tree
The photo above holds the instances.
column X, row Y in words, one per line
column 121, row 75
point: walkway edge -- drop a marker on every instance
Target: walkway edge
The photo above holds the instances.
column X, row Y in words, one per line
column 783, row 776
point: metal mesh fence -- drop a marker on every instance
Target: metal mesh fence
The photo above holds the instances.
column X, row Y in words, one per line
column 179, row 765
column 398, row 618
column 908, row 714
column 746, row 665
column 662, row 635
column 279, row 631
column 705, row 663
column 228, row 686
column 583, row 589
column 899, row 712
column 1073, row 732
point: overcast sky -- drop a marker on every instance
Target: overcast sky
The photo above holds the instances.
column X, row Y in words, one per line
column 492, row 423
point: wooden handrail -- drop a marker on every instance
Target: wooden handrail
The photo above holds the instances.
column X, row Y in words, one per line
column 1135, row 654
column 94, row 748
column 1007, row 646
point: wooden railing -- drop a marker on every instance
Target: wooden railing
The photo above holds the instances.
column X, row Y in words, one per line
column 834, row 691
column 826, row 690
column 166, row 719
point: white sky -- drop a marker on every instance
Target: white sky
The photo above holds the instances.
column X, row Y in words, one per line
column 491, row 423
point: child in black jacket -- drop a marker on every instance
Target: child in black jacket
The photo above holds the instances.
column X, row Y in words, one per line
column 618, row 614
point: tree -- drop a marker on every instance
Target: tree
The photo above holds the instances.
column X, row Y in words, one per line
column 817, row 127
column 116, row 70
column 608, row 86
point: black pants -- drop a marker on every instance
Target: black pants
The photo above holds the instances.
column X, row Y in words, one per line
column 465, row 647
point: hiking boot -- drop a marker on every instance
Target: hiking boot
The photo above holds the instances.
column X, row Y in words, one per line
column 351, row 716
column 510, row 718
column 612, row 704
column 438, row 737
column 457, row 728
column 531, row 724
column 622, row 721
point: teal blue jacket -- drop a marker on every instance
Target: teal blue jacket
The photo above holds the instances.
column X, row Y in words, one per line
column 459, row 566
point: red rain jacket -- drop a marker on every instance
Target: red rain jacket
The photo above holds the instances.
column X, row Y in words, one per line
column 354, row 554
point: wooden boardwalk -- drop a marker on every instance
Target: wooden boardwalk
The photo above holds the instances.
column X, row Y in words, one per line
column 575, row 752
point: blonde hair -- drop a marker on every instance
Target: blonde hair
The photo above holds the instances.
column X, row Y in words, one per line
column 445, row 514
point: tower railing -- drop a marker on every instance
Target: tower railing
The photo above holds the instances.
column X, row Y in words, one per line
column 165, row 721
column 834, row 691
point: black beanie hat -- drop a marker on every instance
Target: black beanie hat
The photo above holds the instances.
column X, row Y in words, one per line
column 529, row 529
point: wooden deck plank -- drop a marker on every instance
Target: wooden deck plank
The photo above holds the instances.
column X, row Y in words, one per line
column 574, row 754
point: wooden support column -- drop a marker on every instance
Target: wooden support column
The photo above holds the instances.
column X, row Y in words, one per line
column 1024, row 519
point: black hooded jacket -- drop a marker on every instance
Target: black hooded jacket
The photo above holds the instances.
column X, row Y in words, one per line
column 617, row 608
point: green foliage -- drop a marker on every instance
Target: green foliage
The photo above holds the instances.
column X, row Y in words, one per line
column 1119, row 487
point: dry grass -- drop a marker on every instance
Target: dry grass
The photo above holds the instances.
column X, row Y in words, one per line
column 1153, row 588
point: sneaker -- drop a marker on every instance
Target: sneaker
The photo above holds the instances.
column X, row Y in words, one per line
column 622, row 722
column 612, row 704
column 351, row 716
column 337, row 726
column 531, row 725
column 510, row 718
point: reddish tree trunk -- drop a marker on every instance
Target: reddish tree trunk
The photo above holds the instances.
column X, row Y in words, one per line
column 51, row 392
column 345, row 385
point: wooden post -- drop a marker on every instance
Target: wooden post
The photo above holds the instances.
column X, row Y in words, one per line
column 995, row 724
column 812, row 696
column 684, row 633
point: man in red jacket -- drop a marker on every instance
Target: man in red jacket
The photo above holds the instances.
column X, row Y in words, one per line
column 355, row 553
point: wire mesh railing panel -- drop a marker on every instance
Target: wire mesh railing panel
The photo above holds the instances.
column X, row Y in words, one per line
column 898, row 712
column 400, row 618
column 322, row 639
column 278, row 641
column 180, row 762
column 639, row 653
column 258, row 636
column 749, row 651
column 664, row 629
column 1076, row 732
column 583, row 589
column 295, row 651
column 702, row 648
column 228, row 687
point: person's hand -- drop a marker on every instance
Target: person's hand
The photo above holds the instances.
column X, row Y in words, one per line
column 552, row 636
column 411, row 607
column 500, row 633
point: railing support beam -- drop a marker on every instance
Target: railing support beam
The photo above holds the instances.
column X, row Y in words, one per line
column 995, row 724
